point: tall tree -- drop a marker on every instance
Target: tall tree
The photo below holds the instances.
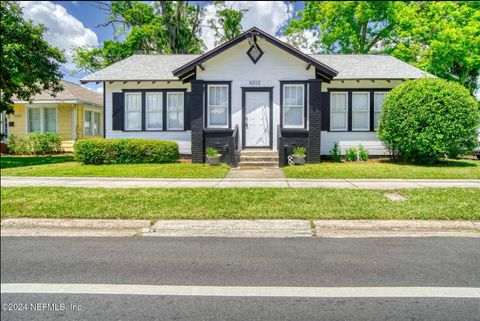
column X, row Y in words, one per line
column 227, row 24
column 441, row 37
column 29, row 64
column 164, row 28
column 347, row 26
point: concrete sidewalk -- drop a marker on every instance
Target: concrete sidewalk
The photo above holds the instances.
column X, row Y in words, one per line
column 106, row 182
column 238, row 228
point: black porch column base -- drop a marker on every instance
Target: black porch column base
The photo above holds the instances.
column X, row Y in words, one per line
column 315, row 120
column 198, row 148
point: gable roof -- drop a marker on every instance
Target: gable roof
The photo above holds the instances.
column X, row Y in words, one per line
column 72, row 93
column 371, row 66
column 179, row 67
column 141, row 67
column 325, row 70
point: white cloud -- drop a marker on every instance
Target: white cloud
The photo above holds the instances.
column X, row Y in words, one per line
column 270, row 16
column 64, row 31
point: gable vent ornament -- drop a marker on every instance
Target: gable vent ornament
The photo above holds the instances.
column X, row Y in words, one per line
column 254, row 53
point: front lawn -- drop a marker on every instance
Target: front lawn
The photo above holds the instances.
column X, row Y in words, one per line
column 22, row 161
column 65, row 166
column 237, row 203
column 383, row 168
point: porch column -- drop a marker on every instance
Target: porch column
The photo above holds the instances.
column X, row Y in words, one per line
column 315, row 119
column 197, row 121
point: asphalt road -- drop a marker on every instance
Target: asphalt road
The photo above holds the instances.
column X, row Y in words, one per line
column 299, row 262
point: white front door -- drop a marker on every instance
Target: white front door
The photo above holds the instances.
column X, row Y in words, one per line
column 257, row 119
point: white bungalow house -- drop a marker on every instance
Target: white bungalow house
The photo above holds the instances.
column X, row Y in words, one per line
column 252, row 92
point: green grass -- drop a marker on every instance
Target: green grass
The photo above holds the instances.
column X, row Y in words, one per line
column 65, row 166
column 386, row 169
column 237, row 203
column 23, row 161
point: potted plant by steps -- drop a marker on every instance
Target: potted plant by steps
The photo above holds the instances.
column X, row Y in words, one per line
column 299, row 155
column 213, row 157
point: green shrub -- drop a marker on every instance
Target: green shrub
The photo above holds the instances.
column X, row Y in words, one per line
column 300, row 150
column 362, row 153
column 426, row 120
column 125, row 151
column 35, row 144
column 18, row 146
column 335, row 153
column 351, row 154
column 47, row 143
column 211, row 151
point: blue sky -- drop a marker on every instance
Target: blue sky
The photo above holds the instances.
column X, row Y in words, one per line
column 74, row 23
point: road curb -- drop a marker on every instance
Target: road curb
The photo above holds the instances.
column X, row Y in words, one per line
column 238, row 228
column 72, row 227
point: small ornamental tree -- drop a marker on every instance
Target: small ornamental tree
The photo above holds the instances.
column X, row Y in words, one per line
column 426, row 120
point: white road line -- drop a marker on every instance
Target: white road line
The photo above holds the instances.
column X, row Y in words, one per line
column 243, row 291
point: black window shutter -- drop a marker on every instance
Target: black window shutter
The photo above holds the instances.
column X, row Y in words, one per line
column 186, row 114
column 325, row 107
column 117, row 111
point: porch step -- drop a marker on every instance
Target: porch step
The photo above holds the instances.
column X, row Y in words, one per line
column 258, row 158
column 260, row 152
column 67, row 146
column 258, row 164
column 255, row 158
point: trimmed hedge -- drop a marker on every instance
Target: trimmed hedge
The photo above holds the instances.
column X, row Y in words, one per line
column 125, row 151
column 35, row 144
column 426, row 120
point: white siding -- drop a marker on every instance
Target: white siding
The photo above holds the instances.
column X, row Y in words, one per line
column 275, row 65
column 346, row 140
column 182, row 138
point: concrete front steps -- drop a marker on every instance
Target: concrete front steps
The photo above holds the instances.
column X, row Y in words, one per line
column 66, row 146
column 258, row 158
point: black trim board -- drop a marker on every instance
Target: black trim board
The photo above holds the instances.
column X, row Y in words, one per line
column 258, row 89
column 305, row 101
column 205, row 112
column 186, row 69
column 104, row 110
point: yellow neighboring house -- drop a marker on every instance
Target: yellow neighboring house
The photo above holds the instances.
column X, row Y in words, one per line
column 74, row 113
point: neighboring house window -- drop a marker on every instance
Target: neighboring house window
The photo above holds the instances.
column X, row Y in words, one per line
column 133, row 111
column 217, row 106
column 96, row 124
column 378, row 99
column 154, row 111
column 42, row 119
column 175, row 102
column 293, row 106
column 338, row 111
column 3, row 125
column 92, row 123
column 360, row 111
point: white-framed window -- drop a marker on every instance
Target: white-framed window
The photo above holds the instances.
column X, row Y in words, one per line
column 154, row 110
column 42, row 119
column 217, row 106
column 378, row 99
column 293, row 105
column 91, row 123
column 338, row 111
column 133, row 111
column 175, row 104
column 360, row 111
column 3, row 125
